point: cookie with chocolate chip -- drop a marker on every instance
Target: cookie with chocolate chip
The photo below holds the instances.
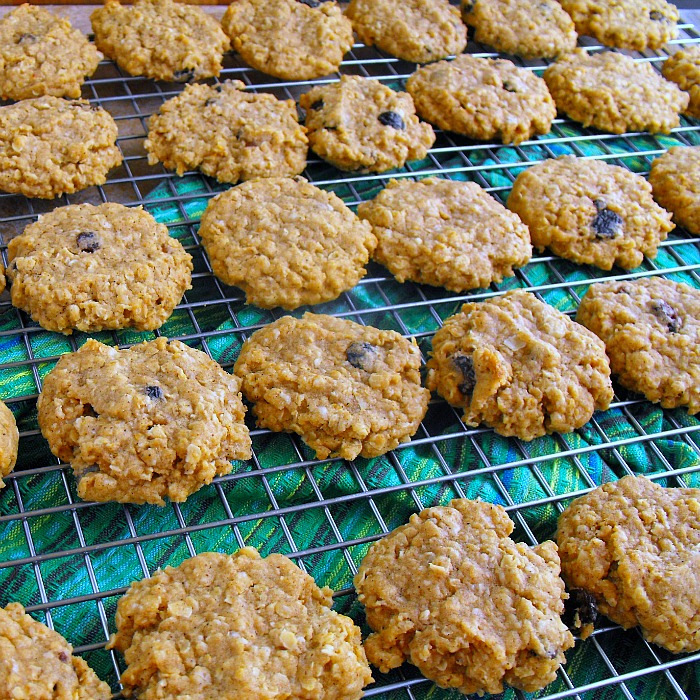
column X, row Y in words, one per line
column 93, row 268
column 157, row 420
column 348, row 390
column 651, row 330
column 590, row 211
column 359, row 124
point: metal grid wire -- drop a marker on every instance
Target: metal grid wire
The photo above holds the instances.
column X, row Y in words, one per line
column 75, row 559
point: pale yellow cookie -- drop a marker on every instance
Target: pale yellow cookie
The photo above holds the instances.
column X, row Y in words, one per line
column 683, row 68
column 9, row 440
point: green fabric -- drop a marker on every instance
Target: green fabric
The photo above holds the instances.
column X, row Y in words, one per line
column 533, row 472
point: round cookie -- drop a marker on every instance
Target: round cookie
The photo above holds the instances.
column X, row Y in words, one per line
column 446, row 233
column 237, row 626
column 157, row 419
column 42, row 54
column 414, row 30
column 160, row 39
column 683, row 68
column 612, row 92
column 94, row 268
column 539, row 29
column 634, row 545
column 285, row 242
column 483, row 98
column 50, row 146
column 9, row 441
column 359, row 124
column 675, row 182
column 590, row 211
column 519, row 366
column 289, row 39
column 227, row 133
column 347, row 389
column 625, row 24
column 453, row 594
column 37, row 663
column 651, row 330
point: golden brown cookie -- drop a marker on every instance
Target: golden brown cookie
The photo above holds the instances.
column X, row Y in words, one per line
column 683, row 68
column 285, row 242
column 446, row 233
column 634, row 545
column 159, row 419
column 347, row 389
column 520, row 366
column 453, row 594
column 237, row 626
column 227, row 133
column 9, row 440
column 651, row 330
column 290, row 39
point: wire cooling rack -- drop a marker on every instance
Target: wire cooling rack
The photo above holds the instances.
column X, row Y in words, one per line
column 69, row 561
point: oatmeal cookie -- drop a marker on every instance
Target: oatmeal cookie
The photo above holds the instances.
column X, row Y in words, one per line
column 37, row 663
column 483, row 98
column 9, row 440
column 285, row 242
column 237, row 626
column 634, row 545
column 590, row 211
column 93, row 268
column 347, row 389
column 414, row 30
column 651, row 330
column 290, row 39
column 50, row 146
column 625, row 24
column 227, row 133
column 453, row 594
column 359, row 124
column 612, row 92
column 675, row 182
column 520, row 366
column 446, row 233
column 42, row 54
column 524, row 28
column 683, row 68
column 160, row 39
column 157, row 419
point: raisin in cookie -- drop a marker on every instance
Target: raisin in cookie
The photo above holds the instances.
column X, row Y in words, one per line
column 50, row 146
column 520, row 366
column 37, row 663
column 358, row 124
column 9, row 440
column 347, row 389
column 651, row 330
column 590, row 211
column 612, row 92
column 683, row 68
column 157, row 419
column 285, row 242
column 446, row 233
column 625, row 24
column 93, row 268
column 524, row 28
column 415, row 30
column 290, row 39
column 675, row 182
column 634, row 545
column 227, row 133
column 42, row 54
column 453, row 594
column 160, row 39
column 483, row 98
column 237, row 626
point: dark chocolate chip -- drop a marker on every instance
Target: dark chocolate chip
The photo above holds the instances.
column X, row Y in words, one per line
column 219, row 87
column 361, row 355
column 509, row 87
column 392, row 119
column 184, row 75
column 27, row 39
column 311, row 3
column 580, row 610
column 63, row 657
column 211, row 101
column 154, row 392
column 467, row 6
column 317, row 105
column 88, row 242
column 465, row 365
column 666, row 314
column 607, row 223
column 657, row 16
